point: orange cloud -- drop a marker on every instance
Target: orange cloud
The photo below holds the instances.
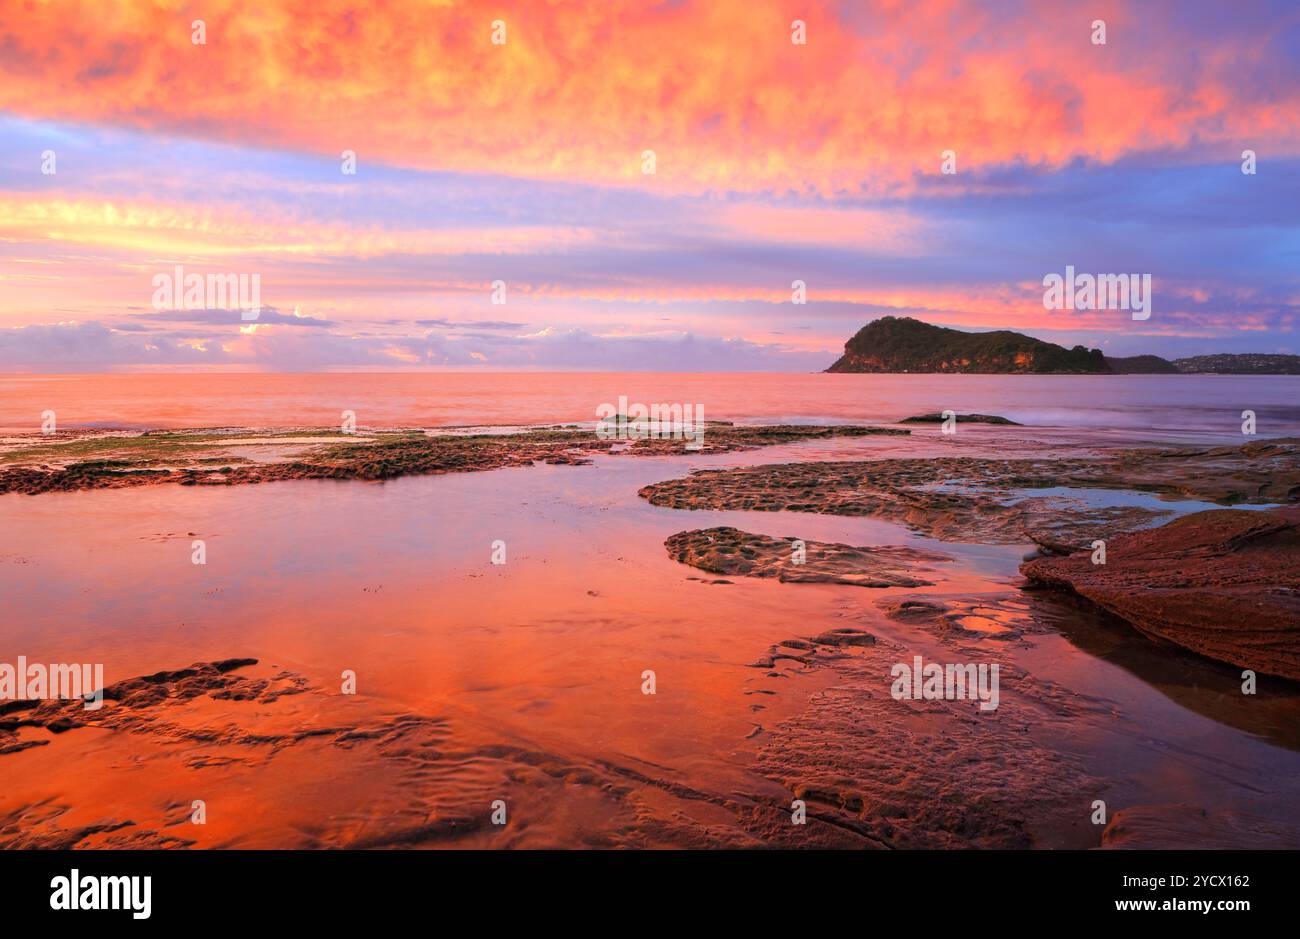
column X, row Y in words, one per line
column 161, row 230
column 580, row 90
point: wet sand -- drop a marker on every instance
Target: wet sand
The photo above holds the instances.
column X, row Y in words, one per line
column 522, row 682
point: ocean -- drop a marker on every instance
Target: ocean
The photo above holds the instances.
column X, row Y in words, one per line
column 1139, row 407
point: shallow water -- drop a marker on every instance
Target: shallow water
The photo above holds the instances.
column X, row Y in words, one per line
column 530, row 673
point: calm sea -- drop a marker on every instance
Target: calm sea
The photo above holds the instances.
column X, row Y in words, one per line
column 1204, row 407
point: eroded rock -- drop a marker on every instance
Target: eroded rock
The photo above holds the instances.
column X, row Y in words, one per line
column 991, row 500
column 209, row 459
column 1224, row 583
column 733, row 552
column 938, row 418
column 1190, row 827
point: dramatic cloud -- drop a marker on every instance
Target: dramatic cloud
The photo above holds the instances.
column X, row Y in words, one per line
column 500, row 216
column 715, row 87
column 77, row 346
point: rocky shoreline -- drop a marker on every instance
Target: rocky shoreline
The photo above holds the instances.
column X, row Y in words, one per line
column 235, row 457
column 874, row 771
column 1222, row 583
column 731, row 552
column 992, row 501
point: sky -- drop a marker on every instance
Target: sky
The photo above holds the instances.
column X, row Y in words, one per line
column 506, row 144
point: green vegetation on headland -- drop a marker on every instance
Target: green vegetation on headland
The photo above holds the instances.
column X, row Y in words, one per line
column 895, row 344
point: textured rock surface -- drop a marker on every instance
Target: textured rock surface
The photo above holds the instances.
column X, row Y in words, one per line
column 1188, row 827
column 1224, row 583
column 58, row 464
column 133, row 704
column 739, row 553
column 938, row 418
column 974, row 499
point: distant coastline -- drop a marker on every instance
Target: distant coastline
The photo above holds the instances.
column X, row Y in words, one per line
column 900, row 344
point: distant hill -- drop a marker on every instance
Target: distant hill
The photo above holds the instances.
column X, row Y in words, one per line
column 1141, row 365
column 901, row 344
column 1249, row 363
